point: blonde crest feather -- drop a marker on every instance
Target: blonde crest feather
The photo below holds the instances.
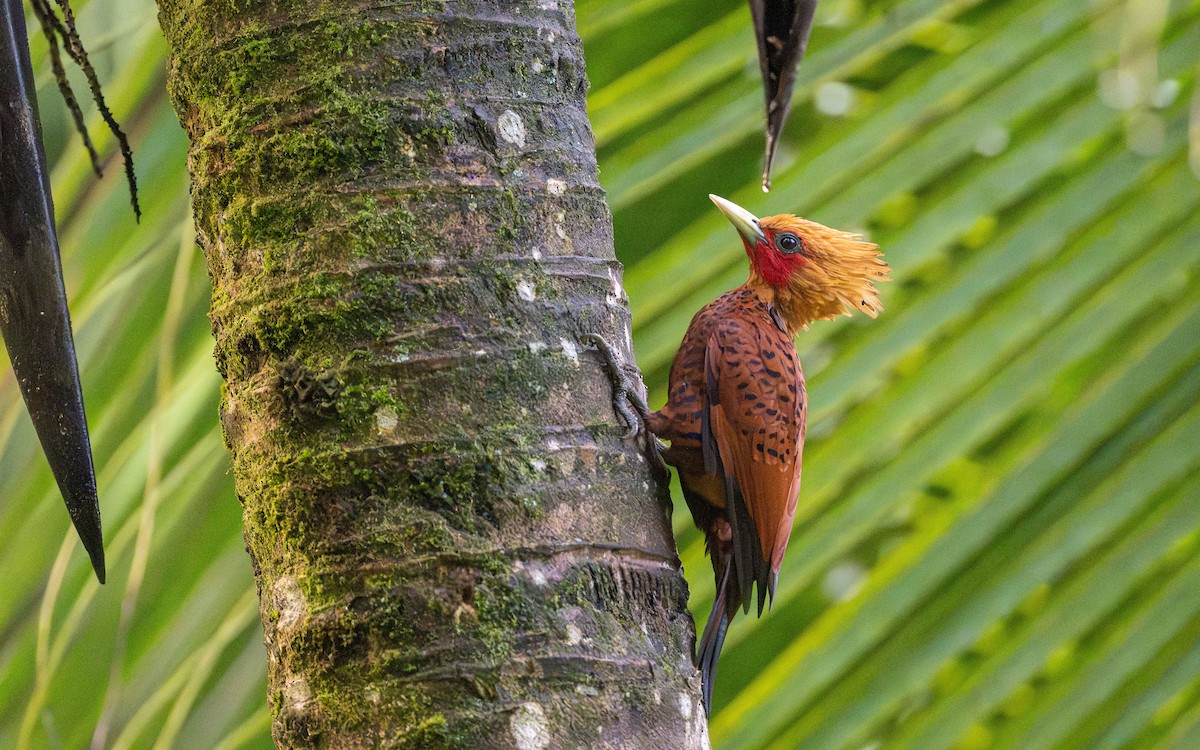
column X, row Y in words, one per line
column 838, row 277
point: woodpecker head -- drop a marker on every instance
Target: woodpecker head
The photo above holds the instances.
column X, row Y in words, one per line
column 815, row 272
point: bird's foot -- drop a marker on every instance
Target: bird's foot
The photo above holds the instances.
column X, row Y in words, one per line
column 625, row 396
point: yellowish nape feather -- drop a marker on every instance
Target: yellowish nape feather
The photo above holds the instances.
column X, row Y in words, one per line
column 838, row 278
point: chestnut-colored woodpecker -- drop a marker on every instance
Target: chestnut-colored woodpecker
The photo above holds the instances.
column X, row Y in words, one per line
column 33, row 303
column 736, row 404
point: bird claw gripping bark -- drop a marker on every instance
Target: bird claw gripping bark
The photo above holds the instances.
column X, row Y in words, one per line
column 626, row 394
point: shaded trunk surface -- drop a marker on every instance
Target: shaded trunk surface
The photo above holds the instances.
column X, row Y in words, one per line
column 406, row 236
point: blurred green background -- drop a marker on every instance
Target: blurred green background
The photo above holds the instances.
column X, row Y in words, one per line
column 996, row 545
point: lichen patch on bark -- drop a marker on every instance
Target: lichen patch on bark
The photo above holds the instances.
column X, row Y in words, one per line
column 529, row 728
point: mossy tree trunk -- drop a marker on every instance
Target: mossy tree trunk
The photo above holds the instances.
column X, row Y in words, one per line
column 405, row 233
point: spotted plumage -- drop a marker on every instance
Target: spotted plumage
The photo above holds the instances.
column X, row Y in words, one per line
column 737, row 406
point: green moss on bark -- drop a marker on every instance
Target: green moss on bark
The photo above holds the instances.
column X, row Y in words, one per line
column 406, row 237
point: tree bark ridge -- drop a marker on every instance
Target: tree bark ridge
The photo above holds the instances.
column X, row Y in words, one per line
column 406, row 236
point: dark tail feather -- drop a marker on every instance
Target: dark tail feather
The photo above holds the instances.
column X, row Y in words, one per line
column 714, row 633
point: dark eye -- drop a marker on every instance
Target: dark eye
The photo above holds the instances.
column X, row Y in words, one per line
column 789, row 243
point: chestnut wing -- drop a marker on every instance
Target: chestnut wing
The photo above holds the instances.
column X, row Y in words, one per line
column 753, row 436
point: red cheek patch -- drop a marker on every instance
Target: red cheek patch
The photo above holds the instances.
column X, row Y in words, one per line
column 776, row 267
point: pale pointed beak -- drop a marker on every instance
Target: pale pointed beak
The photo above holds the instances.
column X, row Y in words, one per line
column 743, row 221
